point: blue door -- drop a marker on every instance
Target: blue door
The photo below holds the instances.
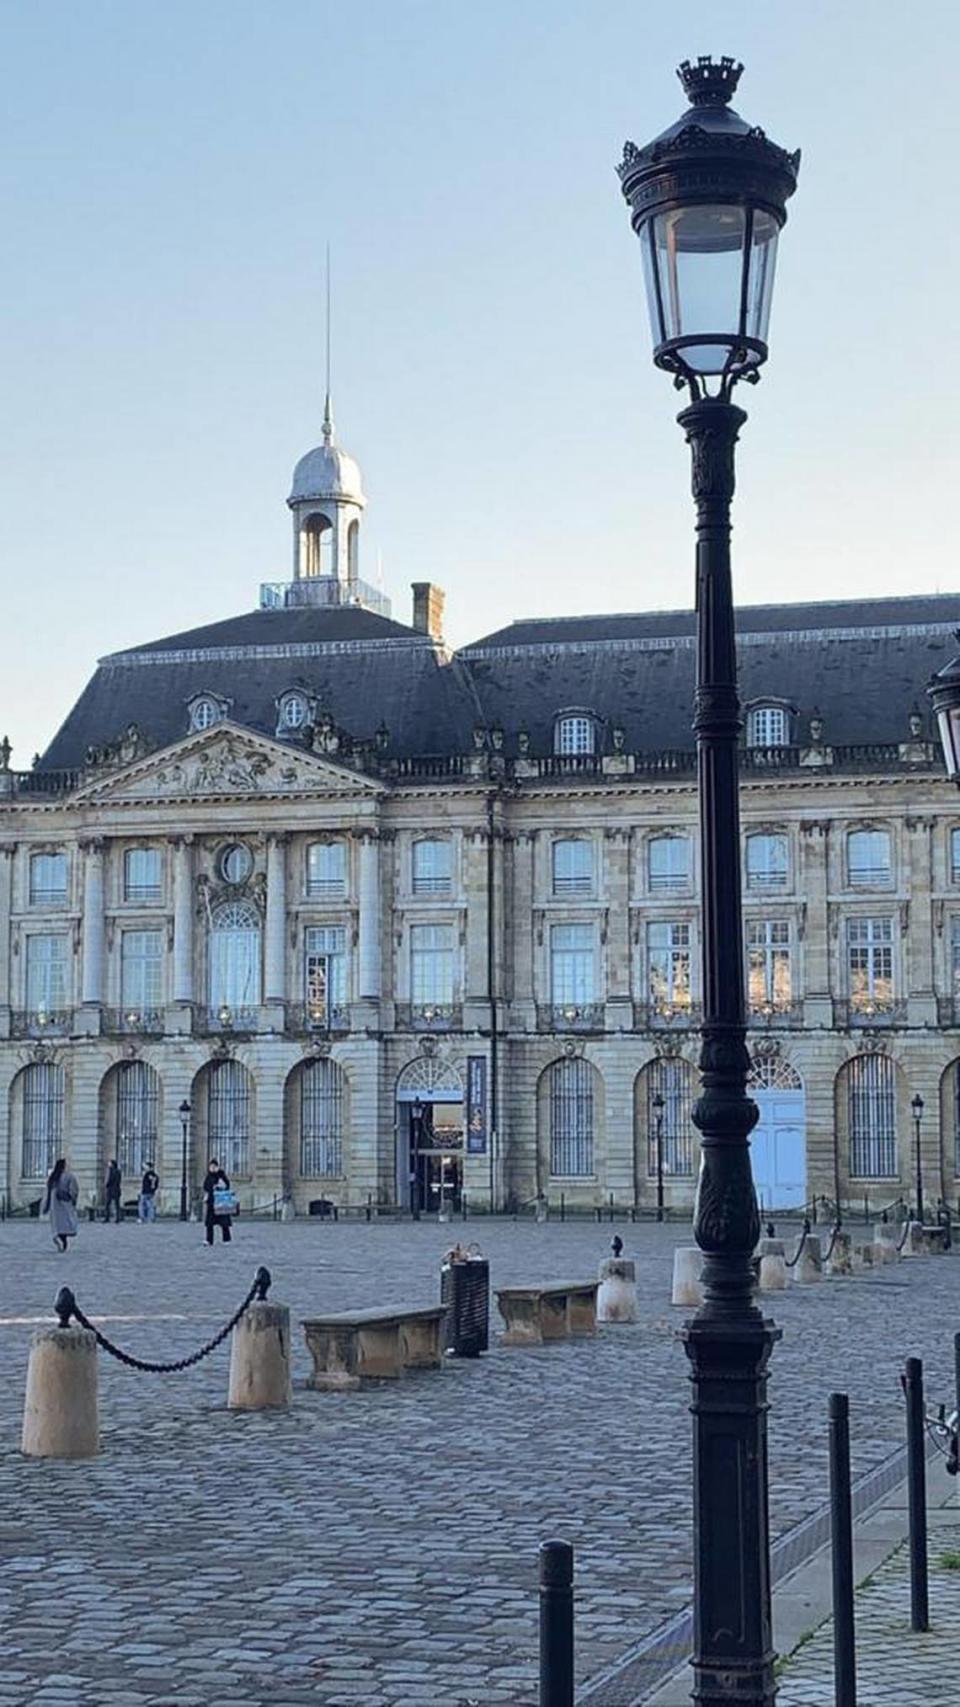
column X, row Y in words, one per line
column 779, row 1149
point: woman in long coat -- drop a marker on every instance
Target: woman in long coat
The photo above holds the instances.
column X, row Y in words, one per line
column 60, row 1198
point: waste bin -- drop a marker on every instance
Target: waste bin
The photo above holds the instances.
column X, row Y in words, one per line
column 465, row 1291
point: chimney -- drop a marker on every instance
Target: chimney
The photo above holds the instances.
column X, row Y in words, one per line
column 428, row 602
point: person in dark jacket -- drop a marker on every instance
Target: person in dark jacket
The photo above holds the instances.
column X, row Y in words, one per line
column 147, row 1207
column 60, row 1201
column 112, row 1188
column 215, row 1180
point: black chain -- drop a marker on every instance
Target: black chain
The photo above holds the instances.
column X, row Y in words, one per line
column 66, row 1306
column 791, row 1262
column 828, row 1253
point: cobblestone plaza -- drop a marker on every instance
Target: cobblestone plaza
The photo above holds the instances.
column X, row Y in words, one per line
column 380, row 1547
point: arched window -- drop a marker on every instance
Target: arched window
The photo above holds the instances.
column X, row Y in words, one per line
column 228, row 1117
column 869, row 1086
column 665, row 1107
column 136, row 1086
column 41, row 1089
column 571, row 1119
column 234, row 957
column 768, row 726
column 321, row 1119
column 353, row 550
column 573, row 867
column 316, row 547
column 574, row 735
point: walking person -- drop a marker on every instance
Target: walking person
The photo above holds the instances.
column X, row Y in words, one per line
column 112, row 1188
column 218, row 1202
column 60, row 1200
column 149, row 1186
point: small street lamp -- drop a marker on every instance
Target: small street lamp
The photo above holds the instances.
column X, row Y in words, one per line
column 707, row 201
column 416, row 1121
column 916, row 1108
column 658, row 1107
column 184, row 1130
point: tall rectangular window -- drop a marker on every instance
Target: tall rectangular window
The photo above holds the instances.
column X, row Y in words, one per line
column 668, row 863
column 870, row 964
column 571, row 1119
column 768, row 862
column 228, row 1117
column 872, row 1117
column 573, row 867
column 136, row 1116
column 869, row 864
column 572, row 965
column 325, row 973
column 48, row 879
column 42, row 1118
column 432, row 864
column 326, row 871
column 47, row 974
column 668, row 967
column 142, row 874
column 141, row 971
column 431, row 965
column 768, row 965
column 955, row 856
column 321, row 1119
column 955, row 956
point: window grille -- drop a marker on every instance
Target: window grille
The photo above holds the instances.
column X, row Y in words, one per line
column 42, row 1118
column 228, row 1117
column 769, row 726
column 955, row 856
column 668, row 863
column 868, row 859
column 142, row 875
column 572, row 965
column 571, row 1119
column 321, row 1119
column 48, row 879
column 574, row 735
column 673, row 1081
column 326, row 871
column 768, row 863
column 431, row 868
column 136, row 1136
column 872, row 1116
column 572, row 868
column 955, row 955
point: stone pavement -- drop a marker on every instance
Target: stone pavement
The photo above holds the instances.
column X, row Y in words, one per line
column 380, row 1547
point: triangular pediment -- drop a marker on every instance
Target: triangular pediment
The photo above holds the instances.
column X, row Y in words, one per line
column 227, row 762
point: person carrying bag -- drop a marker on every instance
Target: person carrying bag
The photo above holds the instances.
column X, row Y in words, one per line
column 220, row 1203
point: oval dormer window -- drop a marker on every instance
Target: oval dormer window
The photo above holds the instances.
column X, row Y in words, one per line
column 204, row 712
column 293, row 711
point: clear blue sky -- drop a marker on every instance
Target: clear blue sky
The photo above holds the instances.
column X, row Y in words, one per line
column 171, row 172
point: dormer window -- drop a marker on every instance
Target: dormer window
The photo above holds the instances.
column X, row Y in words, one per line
column 768, row 726
column 206, row 710
column 574, row 735
column 293, row 711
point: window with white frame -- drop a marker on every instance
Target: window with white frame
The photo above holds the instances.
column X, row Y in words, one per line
column 955, row 856
column 228, row 1117
column 573, row 867
column 768, row 861
column 871, row 1090
column 669, row 1103
column 870, row 964
column 137, row 1100
column 955, row 956
column 204, row 712
column 869, row 864
column 325, row 973
column 141, row 972
column 326, row 871
column 142, row 874
column 432, row 867
column 431, row 965
column 234, row 957
column 574, row 736
column 769, row 726
column 47, row 974
column 572, row 965
column 571, row 1119
column 321, row 1119
column 293, row 711
column 768, row 965
column 668, row 967
column 668, row 863
column 42, row 1092
column 48, row 879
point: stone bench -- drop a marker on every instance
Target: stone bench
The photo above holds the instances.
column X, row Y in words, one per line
column 559, row 1311
column 371, row 1345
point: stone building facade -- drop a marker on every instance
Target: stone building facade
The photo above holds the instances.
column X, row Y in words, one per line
column 374, row 922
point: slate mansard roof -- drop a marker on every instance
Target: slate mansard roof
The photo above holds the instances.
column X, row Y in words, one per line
column 862, row 665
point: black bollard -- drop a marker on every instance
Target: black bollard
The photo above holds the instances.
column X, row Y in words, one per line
column 917, row 1494
column 841, row 1547
column 556, row 1624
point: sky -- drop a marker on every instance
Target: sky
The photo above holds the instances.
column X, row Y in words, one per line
column 171, row 172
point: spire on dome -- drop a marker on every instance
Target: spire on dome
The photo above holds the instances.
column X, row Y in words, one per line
column 327, row 409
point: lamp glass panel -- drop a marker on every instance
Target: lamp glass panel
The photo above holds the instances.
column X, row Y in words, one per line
column 763, row 261
column 699, row 254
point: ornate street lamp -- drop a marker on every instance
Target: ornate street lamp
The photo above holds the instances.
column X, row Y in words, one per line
column 658, row 1107
column 916, row 1109
column 707, row 201
column 184, row 1112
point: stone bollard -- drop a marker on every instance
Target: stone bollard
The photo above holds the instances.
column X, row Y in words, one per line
column 863, row 1256
column 840, row 1260
column 771, row 1248
column 541, row 1210
column 260, row 1359
column 809, row 1265
column 687, row 1263
column 916, row 1245
column 617, row 1297
column 886, row 1237
column 773, row 1269
column 289, row 1210
column 60, row 1416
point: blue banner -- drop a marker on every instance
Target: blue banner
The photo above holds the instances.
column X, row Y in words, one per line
column 476, row 1105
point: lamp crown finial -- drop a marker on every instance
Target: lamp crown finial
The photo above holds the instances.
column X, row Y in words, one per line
column 709, row 83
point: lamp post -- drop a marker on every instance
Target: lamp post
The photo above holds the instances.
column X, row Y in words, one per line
column 658, row 1108
column 916, row 1109
column 416, row 1121
column 184, row 1130
column 707, row 201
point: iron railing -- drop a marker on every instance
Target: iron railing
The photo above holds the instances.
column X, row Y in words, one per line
column 570, row 1016
column 48, row 1023
column 429, row 1016
column 224, row 1021
column 131, row 1022
column 301, row 1017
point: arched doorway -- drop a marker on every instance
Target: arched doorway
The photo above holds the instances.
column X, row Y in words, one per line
column 778, row 1142
column 315, row 1121
column 666, row 1142
column 36, row 1117
column 569, row 1125
column 223, row 1119
column 130, row 1121
column 430, row 1124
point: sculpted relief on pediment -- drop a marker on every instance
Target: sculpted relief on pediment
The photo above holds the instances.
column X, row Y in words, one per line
column 228, row 764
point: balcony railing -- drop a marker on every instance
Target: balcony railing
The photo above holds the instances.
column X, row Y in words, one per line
column 850, row 1016
column 321, row 590
column 429, row 1016
column 570, row 1016
column 772, row 1018
column 43, row 1022
column 133, row 1022
column 314, row 1020
column 652, row 1016
column 226, row 1021
column 570, row 764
